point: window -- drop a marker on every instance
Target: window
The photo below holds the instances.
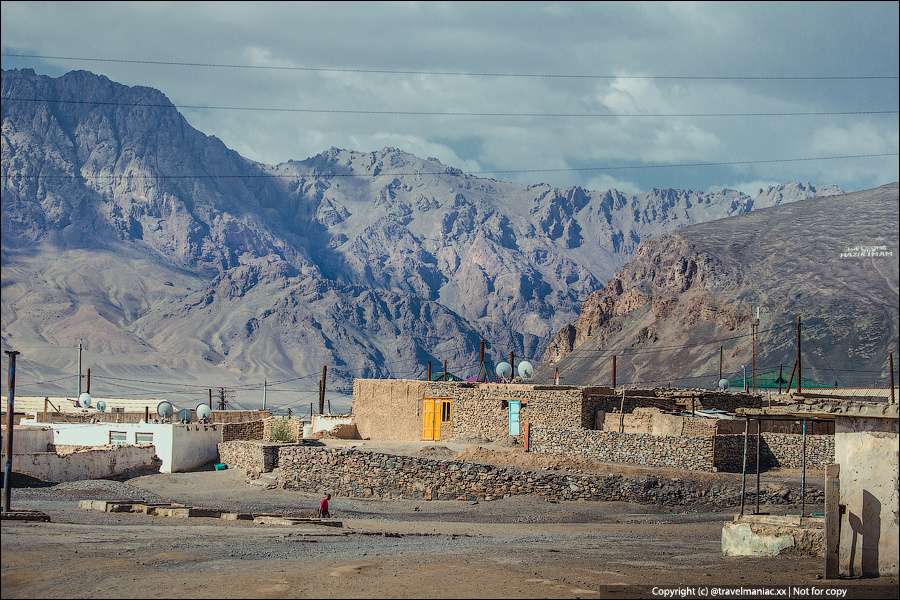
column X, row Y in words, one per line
column 445, row 411
column 117, row 438
column 143, row 438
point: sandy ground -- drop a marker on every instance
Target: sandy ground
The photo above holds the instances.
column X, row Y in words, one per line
column 522, row 547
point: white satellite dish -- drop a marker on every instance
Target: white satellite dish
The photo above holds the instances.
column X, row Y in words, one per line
column 84, row 400
column 504, row 370
column 203, row 411
column 723, row 384
column 101, row 405
column 525, row 369
column 165, row 409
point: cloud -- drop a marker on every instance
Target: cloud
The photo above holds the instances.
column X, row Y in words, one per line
column 294, row 79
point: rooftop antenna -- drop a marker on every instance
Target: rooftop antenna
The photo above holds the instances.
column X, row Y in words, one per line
column 165, row 410
column 504, row 371
column 525, row 370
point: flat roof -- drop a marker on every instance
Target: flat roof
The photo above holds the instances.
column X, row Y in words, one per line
column 824, row 408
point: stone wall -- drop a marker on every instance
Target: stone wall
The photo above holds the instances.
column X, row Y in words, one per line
column 675, row 452
column 250, row 455
column 358, row 474
column 361, row 474
column 247, row 430
column 710, row 453
column 776, row 450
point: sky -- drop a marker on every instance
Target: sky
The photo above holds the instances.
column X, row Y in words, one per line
column 625, row 95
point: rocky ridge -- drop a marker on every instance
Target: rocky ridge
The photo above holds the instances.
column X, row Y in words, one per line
column 126, row 230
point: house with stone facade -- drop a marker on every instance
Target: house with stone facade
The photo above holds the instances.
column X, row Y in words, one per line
column 670, row 428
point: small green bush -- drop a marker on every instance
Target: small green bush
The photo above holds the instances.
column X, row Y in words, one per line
column 281, row 431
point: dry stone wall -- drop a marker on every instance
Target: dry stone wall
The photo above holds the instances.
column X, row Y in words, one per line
column 711, row 453
column 247, row 430
column 776, row 450
column 358, row 474
column 361, row 474
column 250, row 455
column 675, row 452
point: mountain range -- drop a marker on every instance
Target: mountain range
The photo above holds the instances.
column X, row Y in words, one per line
column 163, row 254
column 822, row 273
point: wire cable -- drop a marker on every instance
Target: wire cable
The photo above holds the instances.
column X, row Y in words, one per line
column 451, row 114
column 463, row 74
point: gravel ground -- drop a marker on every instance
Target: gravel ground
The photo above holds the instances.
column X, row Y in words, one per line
column 523, row 547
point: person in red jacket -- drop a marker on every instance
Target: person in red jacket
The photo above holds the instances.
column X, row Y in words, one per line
column 323, row 508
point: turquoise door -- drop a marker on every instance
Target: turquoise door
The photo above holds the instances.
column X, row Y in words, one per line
column 514, row 417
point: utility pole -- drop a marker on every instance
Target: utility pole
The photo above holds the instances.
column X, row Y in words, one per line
column 265, row 386
column 10, row 413
column 799, row 386
column 891, row 362
column 322, row 390
column 614, row 373
column 223, row 399
column 754, row 336
column 79, row 368
column 720, row 363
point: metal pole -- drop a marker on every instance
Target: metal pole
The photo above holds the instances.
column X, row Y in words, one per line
column 265, row 389
column 10, row 413
column 799, row 386
column 79, row 369
column 803, row 478
column 720, row 363
column 322, row 390
column 744, row 467
column 614, row 373
column 891, row 361
column 758, row 438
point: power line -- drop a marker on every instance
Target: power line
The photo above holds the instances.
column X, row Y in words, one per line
column 447, row 171
column 463, row 74
column 457, row 114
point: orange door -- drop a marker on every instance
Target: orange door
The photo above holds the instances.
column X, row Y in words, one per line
column 428, row 421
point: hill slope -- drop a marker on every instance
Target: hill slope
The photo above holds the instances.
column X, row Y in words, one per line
column 831, row 261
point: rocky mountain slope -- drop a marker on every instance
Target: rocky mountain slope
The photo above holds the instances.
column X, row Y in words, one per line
column 831, row 261
column 160, row 250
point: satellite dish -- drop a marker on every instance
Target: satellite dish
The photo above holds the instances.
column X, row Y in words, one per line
column 525, row 369
column 203, row 411
column 101, row 405
column 165, row 409
column 84, row 400
column 184, row 415
column 504, row 370
column 723, row 384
